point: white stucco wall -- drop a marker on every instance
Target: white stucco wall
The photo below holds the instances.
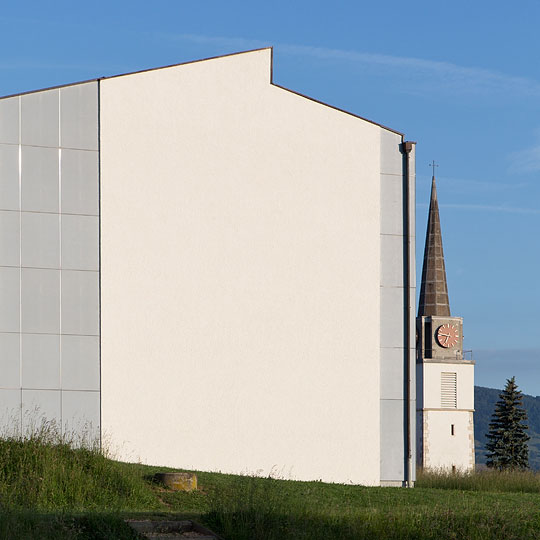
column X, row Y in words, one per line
column 442, row 449
column 240, row 275
column 432, row 384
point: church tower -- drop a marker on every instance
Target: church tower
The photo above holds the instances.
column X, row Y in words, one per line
column 444, row 378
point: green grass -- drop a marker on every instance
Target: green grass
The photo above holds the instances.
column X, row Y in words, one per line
column 63, row 526
column 50, row 491
column 271, row 509
column 483, row 480
column 45, row 473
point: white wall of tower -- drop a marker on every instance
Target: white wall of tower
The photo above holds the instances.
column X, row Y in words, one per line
column 447, row 448
column 432, row 384
column 447, row 433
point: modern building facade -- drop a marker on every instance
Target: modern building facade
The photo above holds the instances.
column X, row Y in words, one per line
column 445, row 378
column 207, row 270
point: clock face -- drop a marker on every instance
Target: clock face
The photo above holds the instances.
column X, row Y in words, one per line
column 447, row 335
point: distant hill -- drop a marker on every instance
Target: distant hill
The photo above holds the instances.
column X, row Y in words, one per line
column 484, row 404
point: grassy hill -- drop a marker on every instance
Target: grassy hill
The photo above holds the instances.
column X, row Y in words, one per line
column 51, row 491
column 484, row 404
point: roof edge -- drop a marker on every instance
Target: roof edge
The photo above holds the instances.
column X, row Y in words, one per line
column 337, row 109
column 55, row 87
column 204, row 60
column 192, row 62
column 95, row 79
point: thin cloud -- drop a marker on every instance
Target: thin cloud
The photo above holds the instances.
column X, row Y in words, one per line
column 493, row 208
column 527, row 160
column 236, row 43
column 471, row 78
column 425, row 73
column 531, row 354
column 488, row 208
column 467, row 184
column 39, row 65
column 494, row 366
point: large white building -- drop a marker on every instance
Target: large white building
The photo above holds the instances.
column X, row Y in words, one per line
column 211, row 271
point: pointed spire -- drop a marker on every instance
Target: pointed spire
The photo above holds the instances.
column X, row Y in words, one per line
column 434, row 291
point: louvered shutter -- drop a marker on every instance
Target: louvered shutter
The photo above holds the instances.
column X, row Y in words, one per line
column 448, row 390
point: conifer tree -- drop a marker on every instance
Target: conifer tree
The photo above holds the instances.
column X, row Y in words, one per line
column 507, row 437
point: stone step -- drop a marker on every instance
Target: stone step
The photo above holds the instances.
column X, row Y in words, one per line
column 168, row 536
column 167, row 529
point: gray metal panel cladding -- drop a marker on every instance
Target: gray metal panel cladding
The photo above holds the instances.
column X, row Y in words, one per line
column 393, row 316
column 49, row 298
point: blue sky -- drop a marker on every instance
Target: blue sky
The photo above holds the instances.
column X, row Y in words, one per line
column 461, row 78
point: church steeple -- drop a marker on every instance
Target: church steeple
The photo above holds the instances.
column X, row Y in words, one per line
column 445, row 387
column 434, row 291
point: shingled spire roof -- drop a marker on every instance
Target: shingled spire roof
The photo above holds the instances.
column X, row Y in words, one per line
column 434, row 291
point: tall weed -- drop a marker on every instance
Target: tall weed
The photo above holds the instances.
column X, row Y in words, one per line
column 44, row 471
column 482, row 480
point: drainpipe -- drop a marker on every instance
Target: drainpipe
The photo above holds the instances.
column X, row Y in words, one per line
column 408, row 256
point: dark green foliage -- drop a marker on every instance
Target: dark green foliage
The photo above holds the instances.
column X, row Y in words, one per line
column 20, row 525
column 484, row 404
column 507, row 438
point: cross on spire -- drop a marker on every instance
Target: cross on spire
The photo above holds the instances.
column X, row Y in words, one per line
column 433, row 165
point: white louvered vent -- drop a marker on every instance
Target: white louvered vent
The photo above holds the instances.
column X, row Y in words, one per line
column 448, row 390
